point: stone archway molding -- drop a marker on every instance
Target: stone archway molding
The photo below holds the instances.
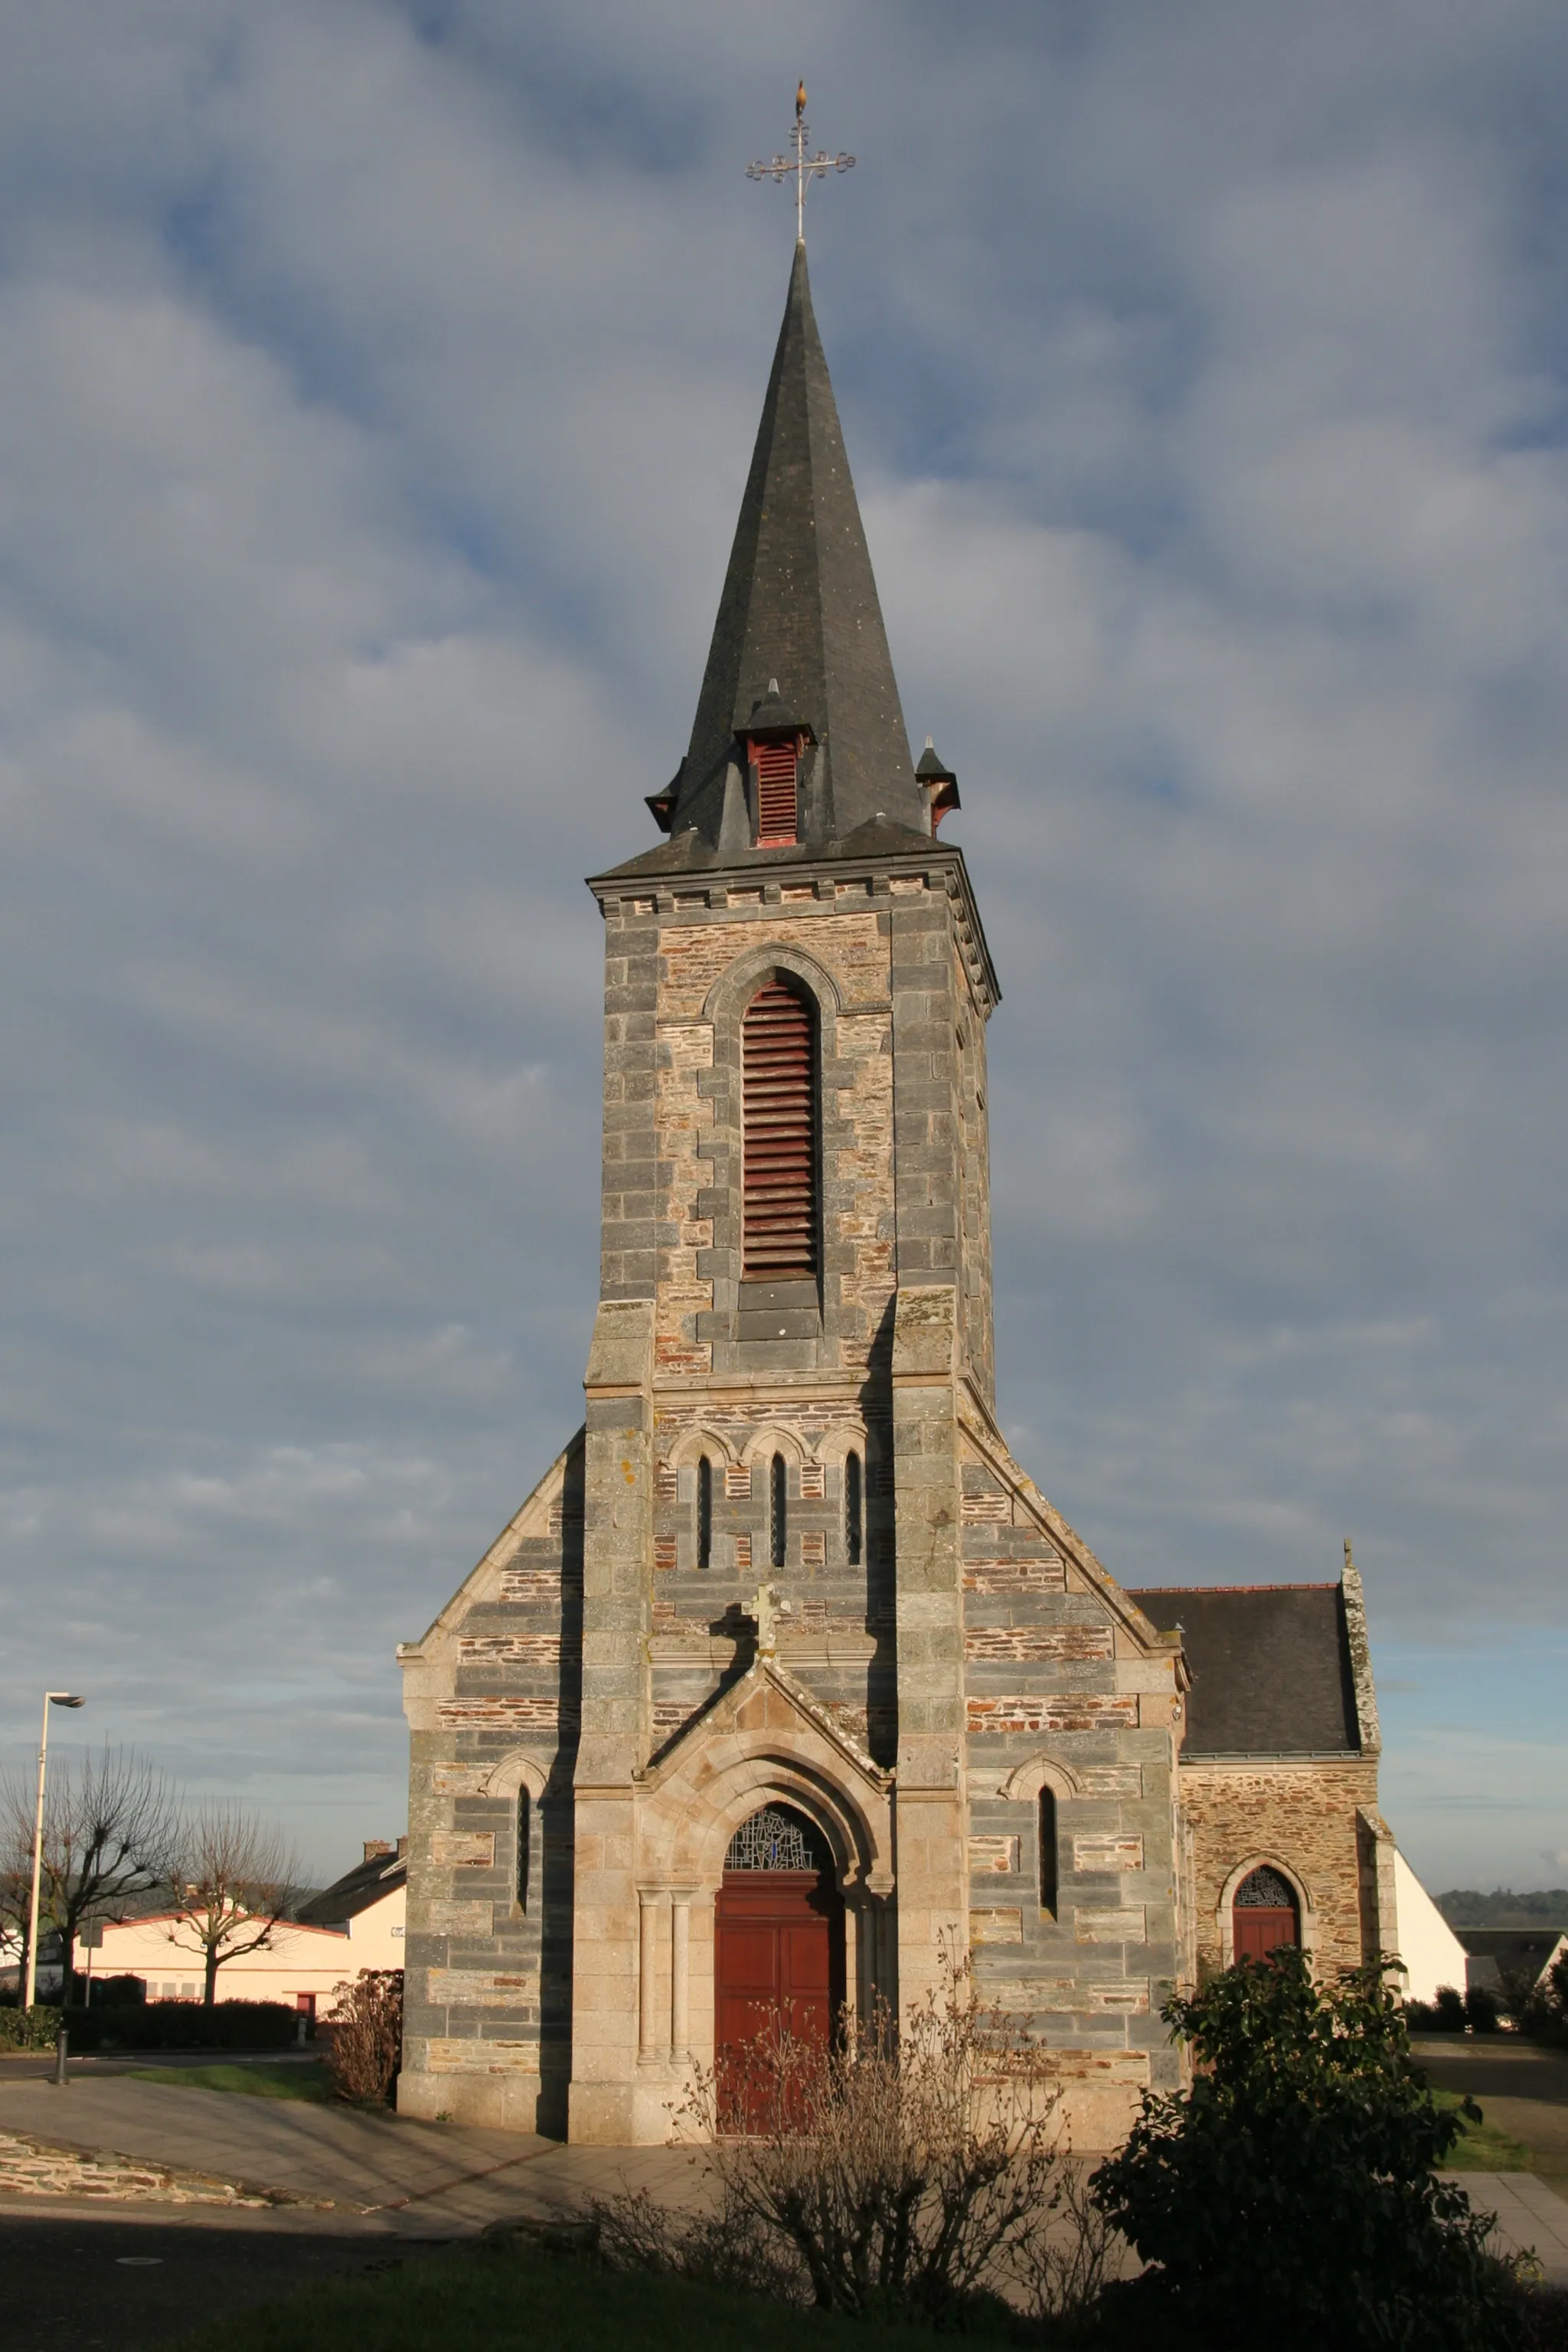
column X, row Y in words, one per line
column 1023, row 1783
column 766, row 1739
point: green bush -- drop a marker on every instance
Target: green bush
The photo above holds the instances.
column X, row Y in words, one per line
column 29, row 2029
column 1450, row 2010
column 1482, row 2008
column 1293, row 2189
column 183, row 2025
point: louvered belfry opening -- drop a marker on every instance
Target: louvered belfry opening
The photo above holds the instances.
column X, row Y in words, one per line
column 778, row 1046
column 778, row 791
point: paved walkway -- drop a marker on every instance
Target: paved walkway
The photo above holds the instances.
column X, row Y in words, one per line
column 331, row 2169
column 384, row 2172
column 1530, row 2214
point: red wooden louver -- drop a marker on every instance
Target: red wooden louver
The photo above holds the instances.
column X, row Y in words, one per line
column 777, row 794
column 779, row 1161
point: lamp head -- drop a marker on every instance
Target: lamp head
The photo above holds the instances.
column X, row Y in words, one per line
column 65, row 1698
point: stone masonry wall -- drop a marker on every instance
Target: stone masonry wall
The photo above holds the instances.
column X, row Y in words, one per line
column 1309, row 1818
column 492, row 1697
column 1067, row 1689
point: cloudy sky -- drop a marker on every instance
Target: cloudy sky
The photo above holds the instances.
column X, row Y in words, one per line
column 376, row 386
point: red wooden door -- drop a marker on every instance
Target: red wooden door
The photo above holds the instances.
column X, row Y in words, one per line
column 1263, row 1915
column 778, row 1968
column 1259, row 1932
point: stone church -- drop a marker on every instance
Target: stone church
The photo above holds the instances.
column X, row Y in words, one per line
column 786, row 1672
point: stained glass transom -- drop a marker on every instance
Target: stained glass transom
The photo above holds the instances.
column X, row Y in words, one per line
column 1264, row 1890
column 776, row 1840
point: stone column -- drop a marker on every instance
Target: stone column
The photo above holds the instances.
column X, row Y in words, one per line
column 618, row 1568
column 933, row 1844
column 680, row 1974
column 649, row 1906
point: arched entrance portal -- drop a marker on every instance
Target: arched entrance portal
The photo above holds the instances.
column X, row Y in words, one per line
column 778, row 1955
column 1263, row 1915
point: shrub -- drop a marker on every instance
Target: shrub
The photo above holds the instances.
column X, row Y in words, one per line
column 1481, row 2009
column 364, row 2047
column 884, row 2181
column 1450, row 2007
column 1294, row 2184
column 116, row 1993
column 185, row 2025
column 29, row 2029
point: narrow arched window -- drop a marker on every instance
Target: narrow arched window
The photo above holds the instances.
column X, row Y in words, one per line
column 705, row 1512
column 524, row 1823
column 778, row 1530
column 854, row 1510
column 778, row 1055
column 1047, row 1842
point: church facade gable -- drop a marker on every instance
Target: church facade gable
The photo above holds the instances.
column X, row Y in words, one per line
column 787, row 1591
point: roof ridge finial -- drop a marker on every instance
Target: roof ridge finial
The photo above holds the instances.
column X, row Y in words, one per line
column 803, row 167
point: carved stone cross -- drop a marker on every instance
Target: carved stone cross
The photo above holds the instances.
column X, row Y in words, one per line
column 766, row 1609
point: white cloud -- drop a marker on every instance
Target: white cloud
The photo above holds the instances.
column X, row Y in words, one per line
column 375, row 393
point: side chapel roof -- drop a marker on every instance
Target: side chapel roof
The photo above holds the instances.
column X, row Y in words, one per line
column 1272, row 1668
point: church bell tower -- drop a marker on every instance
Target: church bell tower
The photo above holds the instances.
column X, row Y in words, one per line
column 796, row 1285
column 786, row 1682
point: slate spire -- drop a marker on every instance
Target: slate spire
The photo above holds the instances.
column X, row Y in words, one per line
column 799, row 607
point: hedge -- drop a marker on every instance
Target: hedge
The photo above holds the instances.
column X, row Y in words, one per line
column 158, row 2025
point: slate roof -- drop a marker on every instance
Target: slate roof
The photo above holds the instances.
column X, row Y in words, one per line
column 1270, row 1666
column 354, row 1892
column 1511, row 1947
column 799, row 604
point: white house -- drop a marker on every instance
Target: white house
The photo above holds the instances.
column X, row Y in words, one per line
column 1431, row 1952
column 357, row 1923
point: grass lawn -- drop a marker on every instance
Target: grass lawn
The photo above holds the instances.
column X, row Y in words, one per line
column 491, row 2299
column 260, row 2078
column 1484, row 2148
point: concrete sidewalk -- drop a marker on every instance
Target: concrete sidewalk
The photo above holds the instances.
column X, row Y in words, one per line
column 384, row 2171
column 336, row 2169
column 1531, row 2215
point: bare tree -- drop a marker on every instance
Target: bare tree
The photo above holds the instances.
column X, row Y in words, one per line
column 889, row 2173
column 16, row 1868
column 234, row 1880
column 109, row 1825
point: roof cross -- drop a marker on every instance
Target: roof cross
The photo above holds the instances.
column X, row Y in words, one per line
column 803, row 167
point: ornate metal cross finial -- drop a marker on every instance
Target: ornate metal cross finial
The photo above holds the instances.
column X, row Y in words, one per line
column 802, row 167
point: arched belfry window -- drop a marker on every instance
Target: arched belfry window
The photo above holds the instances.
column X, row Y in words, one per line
column 778, row 1055
column 778, row 793
column 524, row 1827
column 853, row 1509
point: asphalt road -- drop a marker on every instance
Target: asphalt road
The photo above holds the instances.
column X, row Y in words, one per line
column 74, row 2284
column 1518, row 2086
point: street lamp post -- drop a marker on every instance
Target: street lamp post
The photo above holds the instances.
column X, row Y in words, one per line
column 51, row 1698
